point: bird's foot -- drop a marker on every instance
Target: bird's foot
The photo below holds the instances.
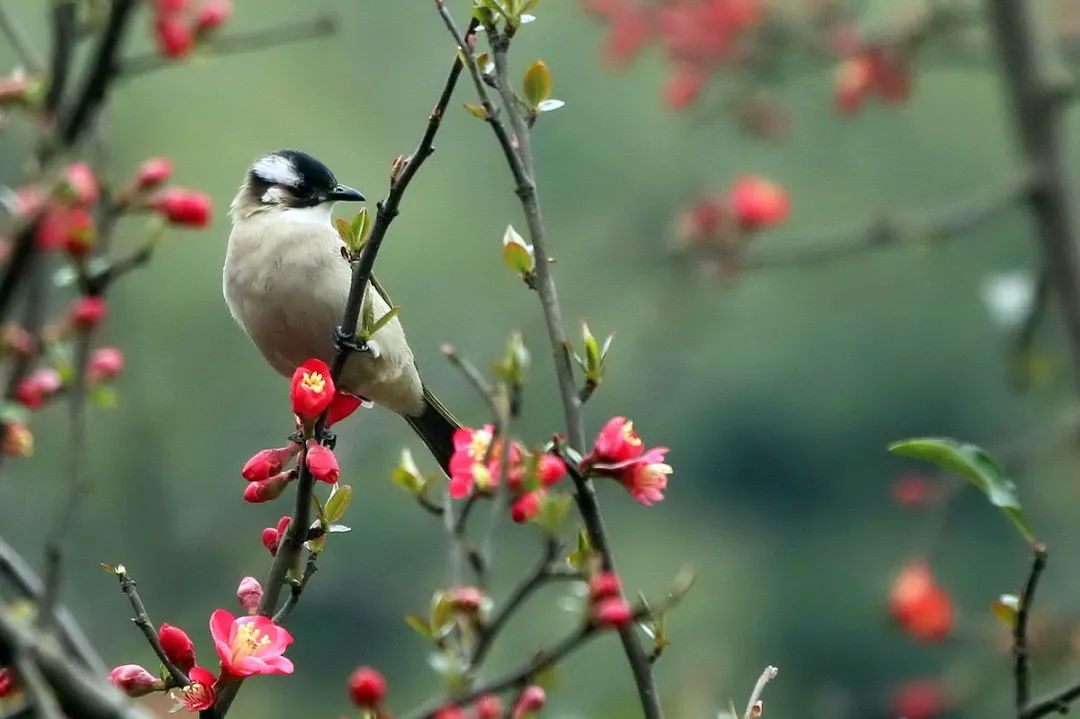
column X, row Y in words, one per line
column 297, row 437
column 344, row 342
column 328, row 439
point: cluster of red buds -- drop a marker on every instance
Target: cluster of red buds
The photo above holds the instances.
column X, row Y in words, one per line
column 245, row 646
column 179, row 25
column 607, row 607
column 476, row 467
column 920, row 607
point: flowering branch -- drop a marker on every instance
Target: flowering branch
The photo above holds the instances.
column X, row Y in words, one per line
column 518, row 152
column 236, row 43
column 142, row 621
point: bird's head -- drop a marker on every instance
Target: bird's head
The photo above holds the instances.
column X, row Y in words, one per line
column 290, row 181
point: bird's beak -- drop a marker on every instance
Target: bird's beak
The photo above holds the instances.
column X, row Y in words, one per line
column 343, row 193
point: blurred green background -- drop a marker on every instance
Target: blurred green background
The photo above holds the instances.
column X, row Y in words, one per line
column 777, row 395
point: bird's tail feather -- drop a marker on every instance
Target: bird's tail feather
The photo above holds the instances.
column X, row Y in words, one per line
column 436, row 427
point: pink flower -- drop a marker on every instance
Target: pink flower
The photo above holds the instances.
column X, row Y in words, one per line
column 758, row 203
column 311, row 389
column 551, row 469
column 200, row 694
column 88, row 312
column 249, row 594
column 367, row 688
column 467, row 599
column 451, row 711
column 105, row 364
column 178, row 646
column 36, row 389
column 617, row 442
column 8, row 683
column 488, row 706
column 322, row 463
column 269, row 462
column 647, row 477
column 467, row 468
column 153, row 173
column 531, row 699
column 612, row 612
column 526, row 506
column 175, row 38
column 212, row 14
column 182, row 206
column 250, row 645
column 604, row 586
column 267, row 489
column 133, row 680
column 69, row 227
column 271, row 537
column 81, row 184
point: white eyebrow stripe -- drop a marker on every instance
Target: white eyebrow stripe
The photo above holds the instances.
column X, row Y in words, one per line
column 277, row 170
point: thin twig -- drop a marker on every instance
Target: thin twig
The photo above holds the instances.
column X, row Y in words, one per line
column 1056, row 703
column 24, row 49
column 298, row 588
column 37, row 689
column 142, row 621
column 766, row 676
column 63, row 44
column 237, row 43
column 1021, row 666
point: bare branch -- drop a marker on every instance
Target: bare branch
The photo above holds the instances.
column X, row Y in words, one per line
column 753, row 705
column 1021, row 666
column 142, row 621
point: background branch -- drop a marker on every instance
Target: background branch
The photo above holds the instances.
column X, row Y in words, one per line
column 12, row 30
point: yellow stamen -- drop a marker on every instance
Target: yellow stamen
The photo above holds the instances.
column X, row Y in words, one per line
column 313, row 381
column 249, row 641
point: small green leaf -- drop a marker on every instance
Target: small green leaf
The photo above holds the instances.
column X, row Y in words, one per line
column 537, row 83
column 384, row 320
column 104, row 396
column 554, row 509
column 974, row 464
column 579, row 558
column 340, row 498
column 1005, row 609
column 518, row 254
column 407, row 475
column 476, row 110
column 513, row 368
column 344, row 231
column 418, row 623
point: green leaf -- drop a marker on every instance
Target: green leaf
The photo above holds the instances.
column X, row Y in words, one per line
column 104, row 396
column 973, row 463
column 553, row 512
column 385, row 319
column 1005, row 609
column 407, row 475
column 476, row 110
column 580, row 556
column 518, row 254
column 339, row 501
column 421, row 627
column 537, row 83
column 344, row 231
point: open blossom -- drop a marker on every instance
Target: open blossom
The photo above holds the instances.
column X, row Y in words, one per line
column 647, row 477
column 249, row 594
column 268, row 462
column 267, row 489
column 531, row 699
column 312, row 389
column 617, row 442
column 367, row 688
column 105, row 363
column 200, row 694
column 88, row 312
column 322, row 463
column 758, row 203
column 250, row 645
column 467, row 468
column 619, row 453
column 133, row 680
column 71, row 228
column 272, row 536
column 919, row 605
column 181, row 206
column 178, row 646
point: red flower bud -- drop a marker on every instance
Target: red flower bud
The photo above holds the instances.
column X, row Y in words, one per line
column 466, row 599
column 450, row 712
column 271, row 536
column 551, row 469
column 88, row 312
column 19, row 341
column 212, row 14
column 249, row 594
column 367, row 688
column 166, row 7
column 153, row 173
column 267, row 489
column 37, row 388
column 178, row 647
column 8, row 684
column 488, row 706
column 604, row 586
column 612, row 612
column 922, row 608
column 312, row 389
column 105, row 363
column 181, row 206
column 322, row 463
column 531, row 699
column 133, row 680
column 81, row 184
column 526, row 506
column 269, row 462
column 175, row 38
column 69, row 227
column 758, row 203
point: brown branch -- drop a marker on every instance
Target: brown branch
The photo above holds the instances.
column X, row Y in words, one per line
column 237, row 43
column 142, row 621
column 517, row 150
column 945, row 223
column 1021, row 666
column 297, row 588
column 63, row 43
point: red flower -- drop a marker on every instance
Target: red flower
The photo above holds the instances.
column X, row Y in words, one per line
column 312, row 389
column 271, row 537
column 249, row 593
column 758, row 203
column 488, row 706
column 920, row 699
column 8, row 684
column 178, row 646
column 617, row 442
column 153, row 173
column 682, row 88
column 181, row 206
column 200, row 694
column 875, row 70
column 612, row 612
column 467, row 468
column 81, row 184
column 526, row 506
column 604, row 586
column 133, row 680
column 531, row 699
column 69, row 227
column 922, row 608
column 631, row 28
column 175, row 38
column 88, row 312
column 341, row 407
column 646, row 478
column 212, row 14
column 854, row 77
column 34, row 390
column 450, row 712
column 913, row 490
column 105, row 363
column 165, row 7
column 250, row 645
column 267, row 489
column 551, row 469
column 367, row 688
column 269, row 462
column 322, row 463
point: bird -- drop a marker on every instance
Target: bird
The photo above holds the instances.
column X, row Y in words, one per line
column 286, row 282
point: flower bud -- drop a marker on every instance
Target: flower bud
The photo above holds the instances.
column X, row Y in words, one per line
column 249, row 593
column 526, row 506
column 81, row 185
column 153, row 173
column 267, row 489
column 758, row 203
column 531, row 699
column 367, row 688
column 8, row 684
column 174, row 36
column 612, row 612
column 37, row 388
column 322, row 463
column 134, row 681
column 105, row 364
column 604, row 586
column 88, row 312
column 450, row 712
column 212, row 15
column 181, row 206
column 177, row 646
column 518, row 255
column 268, row 462
column 272, row 536
column 551, row 469
column 467, row 599
column 488, row 706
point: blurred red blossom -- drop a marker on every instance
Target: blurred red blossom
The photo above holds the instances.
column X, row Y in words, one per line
column 914, row 490
column 367, row 688
column 878, row 71
column 181, row 206
column 488, row 706
column 8, row 684
column 88, row 312
column 919, row 699
column 527, row 506
column 531, row 699
column 758, row 203
column 105, row 363
column 34, row 390
column 18, row 440
column 919, row 605
column 153, row 173
column 80, row 184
